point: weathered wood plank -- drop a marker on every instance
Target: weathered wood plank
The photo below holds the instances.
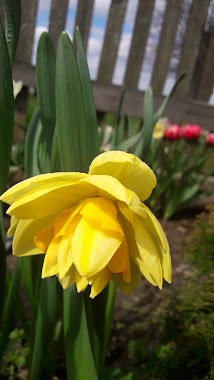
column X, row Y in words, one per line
column 111, row 40
column 138, row 44
column 106, row 100
column 28, row 23
column 83, row 19
column 57, row 19
column 166, row 44
column 206, row 80
column 190, row 49
column 178, row 110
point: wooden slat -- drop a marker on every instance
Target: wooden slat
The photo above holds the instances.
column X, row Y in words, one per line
column 166, row 44
column 83, row 19
column 106, row 100
column 178, row 110
column 111, row 40
column 138, row 44
column 195, row 26
column 28, row 23
column 207, row 75
column 57, row 19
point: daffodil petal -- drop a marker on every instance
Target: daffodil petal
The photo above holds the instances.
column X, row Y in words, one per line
column 159, row 237
column 146, row 246
column 81, row 282
column 69, row 279
column 13, row 225
column 110, row 188
column 50, row 265
column 128, row 169
column 102, row 212
column 65, row 254
column 49, row 181
column 128, row 287
column 23, row 242
column 41, row 202
column 120, row 261
column 133, row 249
column 148, row 251
column 92, row 249
column 100, row 282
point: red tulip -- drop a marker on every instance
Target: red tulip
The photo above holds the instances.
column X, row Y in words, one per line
column 173, row 132
column 191, row 131
column 210, row 139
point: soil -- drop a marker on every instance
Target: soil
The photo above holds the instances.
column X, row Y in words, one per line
column 133, row 313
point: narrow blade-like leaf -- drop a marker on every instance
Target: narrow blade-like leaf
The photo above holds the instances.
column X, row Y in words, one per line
column 45, row 78
column 71, row 124
column 92, row 135
column 159, row 112
column 6, row 111
column 46, row 321
column 148, row 122
column 12, row 10
column 79, row 356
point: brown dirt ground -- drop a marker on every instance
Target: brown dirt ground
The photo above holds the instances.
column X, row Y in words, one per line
column 133, row 312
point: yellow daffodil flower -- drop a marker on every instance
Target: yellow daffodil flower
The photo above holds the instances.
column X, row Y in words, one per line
column 160, row 127
column 92, row 227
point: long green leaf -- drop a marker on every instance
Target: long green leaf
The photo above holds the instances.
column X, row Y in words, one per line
column 6, row 138
column 92, row 135
column 2, row 265
column 79, row 357
column 148, row 122
column 12, row 10
column 9, row 308
column 6, row 111
column 159, row 112
column 45, row 78
column 128, row 143
column 46, row 320
column 31, row 145
column 71, row 124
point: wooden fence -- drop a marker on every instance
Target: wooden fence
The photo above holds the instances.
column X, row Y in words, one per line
column 196, row 54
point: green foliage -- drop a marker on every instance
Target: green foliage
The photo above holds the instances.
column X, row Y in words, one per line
column 178, row 166
column 15, row 357
column 201, row 248
column 180, row 340
column 8, row 43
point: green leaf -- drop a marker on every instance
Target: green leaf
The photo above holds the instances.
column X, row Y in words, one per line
column 6, row 139
column 10, row 308
column 109, row 300
column 79, row 357
column 92, row 135
column 6, row 111
column 12, row 11
column 159, row 112
column 45, row 79
column 36, row 156
column 148, row 122
column 71, row 125
column 179, row 198
column 128, row 143
column 46, row 321
column 2, row 264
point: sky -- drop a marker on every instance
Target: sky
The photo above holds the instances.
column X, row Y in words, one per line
column 96, row 37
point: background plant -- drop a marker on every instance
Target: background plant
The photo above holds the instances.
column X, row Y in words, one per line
column 179, row 339
column 179, row 165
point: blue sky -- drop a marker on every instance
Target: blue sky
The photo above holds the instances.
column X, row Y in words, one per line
column 99, row 19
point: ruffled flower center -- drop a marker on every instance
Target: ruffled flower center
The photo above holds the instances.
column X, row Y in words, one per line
column 88, row 236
